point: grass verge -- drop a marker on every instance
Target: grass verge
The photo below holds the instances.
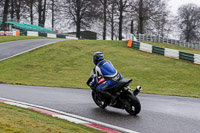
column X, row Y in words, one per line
column 17, row 120
column 68, row 64
column 176, row 47
column 16, row 38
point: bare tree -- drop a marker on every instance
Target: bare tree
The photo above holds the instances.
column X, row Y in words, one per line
column 30, row 7
column 163, row 24
column 115, row 15
column 18, row 9
column 122, row 6
column 1, row 8
column 112, row 16
column 55, row 9
column 80, row 12
column 42, row 12
column 105, row 4
column 12, row 10
column 1, row 5
column 141, row 18
column 148, row 12
column 5, row 13
column 53, row 15
column 18, row 6
column 189, row 22
column 160, row 22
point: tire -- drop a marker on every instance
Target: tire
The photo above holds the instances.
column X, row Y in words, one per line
column 133, row 105
column 98, row 102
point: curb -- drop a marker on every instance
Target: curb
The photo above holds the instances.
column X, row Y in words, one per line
column 69, row 117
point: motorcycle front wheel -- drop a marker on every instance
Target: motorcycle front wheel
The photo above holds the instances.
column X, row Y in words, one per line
column 98, row 102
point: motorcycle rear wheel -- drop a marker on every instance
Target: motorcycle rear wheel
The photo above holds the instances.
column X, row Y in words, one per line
column 133, row 105
column 98, row 102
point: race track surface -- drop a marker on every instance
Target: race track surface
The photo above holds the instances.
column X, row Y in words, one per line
column 159, row 114
column 13, row 48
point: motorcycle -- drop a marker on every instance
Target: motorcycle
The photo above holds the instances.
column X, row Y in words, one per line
column 126, row 97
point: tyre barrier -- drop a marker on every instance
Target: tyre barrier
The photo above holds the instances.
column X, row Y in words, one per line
column 194, row 58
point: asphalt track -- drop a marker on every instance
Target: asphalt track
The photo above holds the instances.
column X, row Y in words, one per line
column 10, row 49
column 159, row 114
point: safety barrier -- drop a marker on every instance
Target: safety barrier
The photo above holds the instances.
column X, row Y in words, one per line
column 136, row 45
column 42, row 34
column 34, row 33
column 61, row 36
column 195, row 58
column 51, row 35
column 186, row 56
column 172, row 53
column 146, row 47
column 158, row 50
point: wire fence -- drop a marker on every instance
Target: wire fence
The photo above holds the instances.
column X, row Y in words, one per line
column 143, row 37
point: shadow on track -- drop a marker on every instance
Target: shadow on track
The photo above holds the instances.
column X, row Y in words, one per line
column 115, row 113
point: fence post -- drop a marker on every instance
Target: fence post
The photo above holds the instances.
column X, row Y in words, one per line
column 152, row 38
column 138, row 35
column 143, row 37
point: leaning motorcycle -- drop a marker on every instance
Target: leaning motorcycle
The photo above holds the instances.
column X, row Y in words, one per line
column 126, row 97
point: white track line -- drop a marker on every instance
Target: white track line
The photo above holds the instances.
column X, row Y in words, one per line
column 68, row 116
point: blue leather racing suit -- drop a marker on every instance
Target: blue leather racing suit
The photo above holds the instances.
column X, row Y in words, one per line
column 105, row 69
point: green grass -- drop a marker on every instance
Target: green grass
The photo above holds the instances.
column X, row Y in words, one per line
column 68, row 64
column 18, row 120
column 15, row 38
column 176, row 47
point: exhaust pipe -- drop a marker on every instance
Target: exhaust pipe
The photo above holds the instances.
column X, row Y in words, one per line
column 137, row 90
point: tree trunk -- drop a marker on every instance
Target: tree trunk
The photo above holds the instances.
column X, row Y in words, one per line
column 31, row 11
column 120, row 19
column 141, row 19
column 52, row 14
column 12, row 10
column 40, row 12
column 131, row 26
column 188, row 32
column 112, row 23
column 105, row 20
column 78, row 23
column 44, row 13
column 5, row 14
column 112, row 20
column 17, row 9
column 78, row 29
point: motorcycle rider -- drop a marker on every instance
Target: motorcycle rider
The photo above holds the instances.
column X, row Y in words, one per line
column 104, row 69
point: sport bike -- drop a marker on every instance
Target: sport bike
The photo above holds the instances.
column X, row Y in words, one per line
column 126, row 97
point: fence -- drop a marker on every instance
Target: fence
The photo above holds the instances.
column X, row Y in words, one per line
column 143, row 37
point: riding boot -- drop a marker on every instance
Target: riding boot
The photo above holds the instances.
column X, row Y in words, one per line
column 109, row 96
